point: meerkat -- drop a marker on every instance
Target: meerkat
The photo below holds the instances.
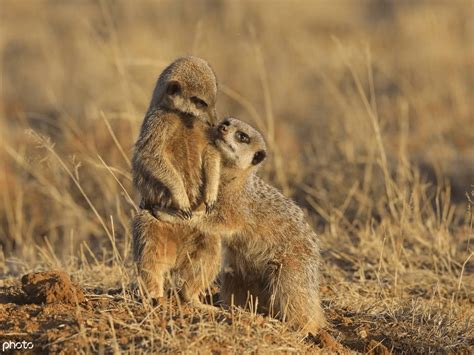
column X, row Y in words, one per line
column 269, row 250
column 173, row 167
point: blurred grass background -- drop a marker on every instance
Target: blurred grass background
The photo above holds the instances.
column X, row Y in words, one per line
column 366, row 106
column 309, row 74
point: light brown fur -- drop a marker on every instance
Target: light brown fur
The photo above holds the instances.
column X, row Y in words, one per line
column 175, row 167
column 270, row 251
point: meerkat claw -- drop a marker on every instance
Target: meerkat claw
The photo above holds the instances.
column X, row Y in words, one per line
column 185, row 213
column 210, row 206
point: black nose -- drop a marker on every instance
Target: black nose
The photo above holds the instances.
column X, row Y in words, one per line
column 224, row 126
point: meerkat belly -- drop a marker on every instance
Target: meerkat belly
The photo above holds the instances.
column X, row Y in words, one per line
column 187, row 158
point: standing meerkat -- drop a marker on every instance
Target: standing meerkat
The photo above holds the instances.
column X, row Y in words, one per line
column 270, row 251
column 174, row 168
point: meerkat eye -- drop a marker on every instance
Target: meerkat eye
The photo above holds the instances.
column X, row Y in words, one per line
column 198, row 102
column 242, row 137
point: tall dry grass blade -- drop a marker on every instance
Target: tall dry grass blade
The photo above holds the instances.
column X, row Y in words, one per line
column 117, row 55
column 270, row 118
column 376, row 127
column 129, row 198
column 50, row 148
column 114, row 137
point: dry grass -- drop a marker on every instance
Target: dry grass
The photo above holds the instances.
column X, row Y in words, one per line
column 367, row 108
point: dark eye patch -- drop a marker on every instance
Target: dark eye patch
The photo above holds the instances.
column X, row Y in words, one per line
column 242, row 137
column 258, row 157
column 200, row 103
column 173, row 88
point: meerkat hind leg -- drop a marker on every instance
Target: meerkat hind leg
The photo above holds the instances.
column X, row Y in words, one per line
column 155, row 252
column 198, row 266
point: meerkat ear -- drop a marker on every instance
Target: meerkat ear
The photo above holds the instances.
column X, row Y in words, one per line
column 173, row 88
column 258, row 157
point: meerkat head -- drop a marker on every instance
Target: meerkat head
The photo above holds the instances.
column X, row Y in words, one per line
column 188, row 85
column 241, row 146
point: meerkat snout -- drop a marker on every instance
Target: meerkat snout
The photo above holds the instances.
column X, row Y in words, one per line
column 224, row 127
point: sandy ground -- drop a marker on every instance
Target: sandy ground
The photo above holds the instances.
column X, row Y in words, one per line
column 57, row 315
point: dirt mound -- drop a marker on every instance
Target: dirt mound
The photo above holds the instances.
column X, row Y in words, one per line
column 51, row 287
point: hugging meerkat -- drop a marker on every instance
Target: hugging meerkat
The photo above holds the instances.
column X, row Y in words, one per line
column 173, row 167
column 270, row 251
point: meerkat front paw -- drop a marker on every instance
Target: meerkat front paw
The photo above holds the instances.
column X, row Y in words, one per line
column 210, row 200
column 210, row 206
column 186, row 213
column 183, row 209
